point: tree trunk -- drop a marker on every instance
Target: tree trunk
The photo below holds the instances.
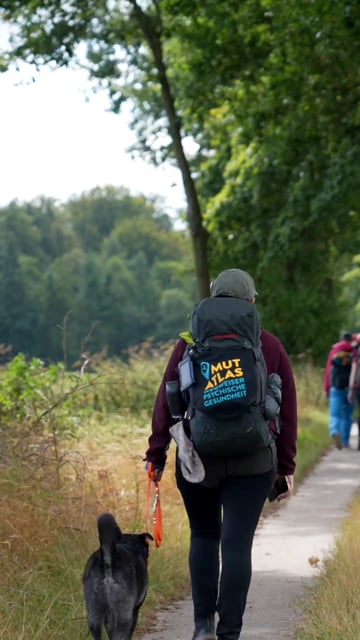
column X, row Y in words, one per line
column 198, row 232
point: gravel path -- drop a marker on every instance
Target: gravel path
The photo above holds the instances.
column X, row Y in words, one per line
column 288, row 552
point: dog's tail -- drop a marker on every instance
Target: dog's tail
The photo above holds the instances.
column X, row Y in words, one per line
column 109, row 535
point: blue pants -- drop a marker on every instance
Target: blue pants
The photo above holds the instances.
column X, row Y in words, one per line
column 341, row 414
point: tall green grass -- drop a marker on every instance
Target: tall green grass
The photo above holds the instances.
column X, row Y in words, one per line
column 48, row 529
column 313, row 432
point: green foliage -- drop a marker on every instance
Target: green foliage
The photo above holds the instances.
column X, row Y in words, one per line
column 24, row 385
column 351, row 280
column 175, row 307
column 40, row 408
column 43, row 408
column 101, row 286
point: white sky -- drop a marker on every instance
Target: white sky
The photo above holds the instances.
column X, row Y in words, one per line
column 54, row 142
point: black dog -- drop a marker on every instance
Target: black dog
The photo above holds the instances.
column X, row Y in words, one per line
column 115, row 580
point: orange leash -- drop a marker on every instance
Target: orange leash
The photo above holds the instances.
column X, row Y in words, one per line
column 156, row 509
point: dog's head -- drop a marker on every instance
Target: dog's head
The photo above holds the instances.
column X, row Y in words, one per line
column 139, row 540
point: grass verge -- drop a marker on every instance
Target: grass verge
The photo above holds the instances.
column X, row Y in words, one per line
column 331, row 611
column 46, row 535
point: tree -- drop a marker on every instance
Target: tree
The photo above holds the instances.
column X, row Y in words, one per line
column 97, row 212
column 21, row 291
column 277, row 125
column 175, row 307
column 352, row 290
column 125, row 50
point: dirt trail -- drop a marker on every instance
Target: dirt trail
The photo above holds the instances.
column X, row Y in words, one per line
column 288, row 553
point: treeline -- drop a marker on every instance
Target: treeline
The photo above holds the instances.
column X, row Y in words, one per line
column 104, row 271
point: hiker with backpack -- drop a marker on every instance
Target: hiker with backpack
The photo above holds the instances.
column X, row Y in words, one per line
column 354, row 382
column 336, row 387
column 232, row 394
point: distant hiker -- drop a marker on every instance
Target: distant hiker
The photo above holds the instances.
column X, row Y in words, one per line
column 354, row 382
column 231, row 375
column 336, row 387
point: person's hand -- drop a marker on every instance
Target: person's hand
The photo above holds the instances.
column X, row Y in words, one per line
column 154, row 471
column 290, row 491
column 156, row 475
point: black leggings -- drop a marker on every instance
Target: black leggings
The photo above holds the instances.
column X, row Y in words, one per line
column 225, row 516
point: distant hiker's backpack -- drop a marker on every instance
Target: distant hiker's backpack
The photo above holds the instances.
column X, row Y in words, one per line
column 355, row 371
column 354, row 381
column 340, row 369
column 225, row 378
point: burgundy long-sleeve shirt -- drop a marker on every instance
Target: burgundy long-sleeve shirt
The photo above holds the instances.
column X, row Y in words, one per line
column 277, row 361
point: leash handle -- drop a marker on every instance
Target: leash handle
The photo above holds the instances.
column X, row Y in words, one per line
column 157, row 523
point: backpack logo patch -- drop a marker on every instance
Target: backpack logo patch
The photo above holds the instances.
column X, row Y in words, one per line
column 225, row 383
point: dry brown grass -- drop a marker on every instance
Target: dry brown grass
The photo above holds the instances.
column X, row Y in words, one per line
column 47, row 529
column 46, row 535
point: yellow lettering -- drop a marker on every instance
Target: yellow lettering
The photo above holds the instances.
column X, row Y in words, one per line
column 209, row 385
column 231, row 366
column 225, row 364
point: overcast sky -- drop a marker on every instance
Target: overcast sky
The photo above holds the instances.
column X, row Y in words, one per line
column 55, row 142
